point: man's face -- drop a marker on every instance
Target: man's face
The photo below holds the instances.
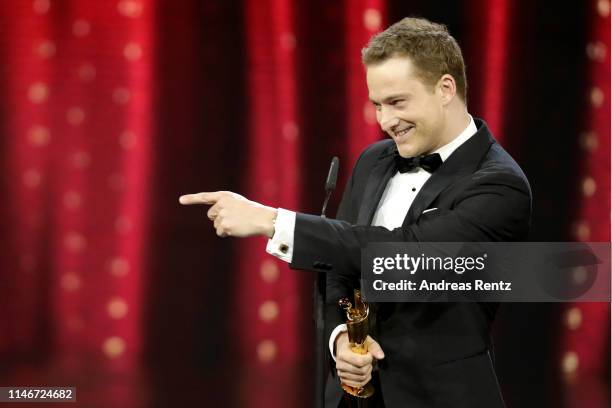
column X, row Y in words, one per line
column 407, row 109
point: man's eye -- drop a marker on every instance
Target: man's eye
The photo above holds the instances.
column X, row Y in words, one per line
column 397, row 102
column 377, row 106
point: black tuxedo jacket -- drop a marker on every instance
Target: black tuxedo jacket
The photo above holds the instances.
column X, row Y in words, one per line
column 436, row 354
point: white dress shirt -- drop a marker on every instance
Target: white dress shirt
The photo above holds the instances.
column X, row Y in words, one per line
column 400, row 192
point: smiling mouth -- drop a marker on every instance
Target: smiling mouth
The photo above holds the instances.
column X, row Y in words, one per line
column 403, row 131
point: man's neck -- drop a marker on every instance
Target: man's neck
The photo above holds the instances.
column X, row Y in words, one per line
column 458, row 121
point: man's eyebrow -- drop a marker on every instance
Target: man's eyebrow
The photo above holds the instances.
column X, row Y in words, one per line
column 391, row 98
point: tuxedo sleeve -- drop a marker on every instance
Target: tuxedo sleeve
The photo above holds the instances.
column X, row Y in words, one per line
column 492, row 207
column 338, row 286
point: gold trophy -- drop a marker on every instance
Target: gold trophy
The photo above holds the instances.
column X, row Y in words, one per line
column 358, row 328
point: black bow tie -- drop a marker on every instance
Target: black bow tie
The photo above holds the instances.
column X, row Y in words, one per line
column 429, row 162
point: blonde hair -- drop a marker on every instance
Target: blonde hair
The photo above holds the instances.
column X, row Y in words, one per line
column 430, row 47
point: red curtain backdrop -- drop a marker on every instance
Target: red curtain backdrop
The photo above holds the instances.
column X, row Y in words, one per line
column 363, row 19
column 109, row 110
column 268, row 298
column 494, row 38
column 77, row 108
column 585, row 360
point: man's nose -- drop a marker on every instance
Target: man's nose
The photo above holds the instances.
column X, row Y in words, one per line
column 387, row 120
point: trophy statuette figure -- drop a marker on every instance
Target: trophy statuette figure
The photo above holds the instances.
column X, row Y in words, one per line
column 358, row 328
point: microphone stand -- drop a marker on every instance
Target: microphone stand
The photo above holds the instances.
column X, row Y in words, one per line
column 319, row 300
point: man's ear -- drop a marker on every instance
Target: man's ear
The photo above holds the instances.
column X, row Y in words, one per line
column 447, row 87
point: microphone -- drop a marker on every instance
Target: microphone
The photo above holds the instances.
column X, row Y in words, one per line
column 330, row 183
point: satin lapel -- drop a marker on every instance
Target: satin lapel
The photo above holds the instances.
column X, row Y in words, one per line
column 460, row 163
column 377, row 181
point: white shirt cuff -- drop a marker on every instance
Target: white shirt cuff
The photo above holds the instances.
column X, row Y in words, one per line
column 281, row 244
column 332, row 339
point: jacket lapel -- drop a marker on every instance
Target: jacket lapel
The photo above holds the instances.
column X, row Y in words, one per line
column 461, row 162
column 377, row 181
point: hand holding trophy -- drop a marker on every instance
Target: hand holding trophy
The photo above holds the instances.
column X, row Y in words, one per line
column 358, row 329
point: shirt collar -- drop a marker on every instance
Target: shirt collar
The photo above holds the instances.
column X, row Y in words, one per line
column 446, row 150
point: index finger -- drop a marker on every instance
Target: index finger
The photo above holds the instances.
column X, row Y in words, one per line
column 200, row 198
column 355, row 359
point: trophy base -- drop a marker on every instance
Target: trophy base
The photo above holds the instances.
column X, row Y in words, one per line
column 363, row 392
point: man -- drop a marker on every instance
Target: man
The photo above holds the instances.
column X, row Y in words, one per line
column 441, row 178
